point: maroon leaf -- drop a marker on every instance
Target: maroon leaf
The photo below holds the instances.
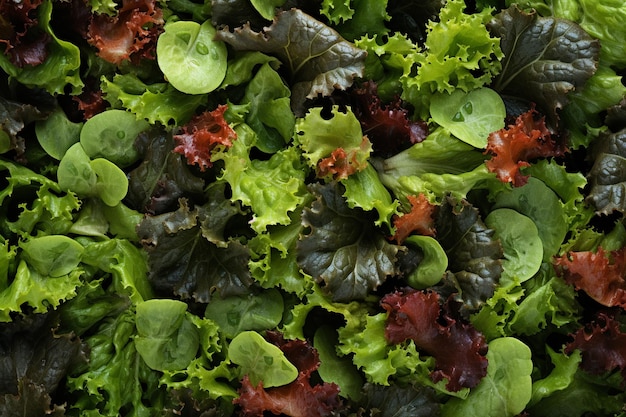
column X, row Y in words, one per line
column 458, row 348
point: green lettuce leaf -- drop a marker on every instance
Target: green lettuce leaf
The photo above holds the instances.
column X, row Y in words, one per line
column 254, row 311
column 459, row 53
column 114, row 357
column 166, row 336
column 360, row 18
column 273, row 261
column 61, row 68
column 158, row 102
column 269, row 114
column 271, row 188
column 433, row 167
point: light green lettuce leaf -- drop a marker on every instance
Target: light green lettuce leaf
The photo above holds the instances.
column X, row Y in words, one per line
column 365, row 190
column 459, row 53
column 157, row 103
column 272, row 188
column 166, row 336
column 41, row 292
column 318, row 135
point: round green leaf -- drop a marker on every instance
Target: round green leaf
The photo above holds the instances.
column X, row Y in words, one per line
column 111, row 135
column 471, row 116
column 261, row 360
column 75, row 172
column 523, row 249
column 57, row 133
column 52, row 255
column 167, row 339
column 112, row 184
column 190, row 58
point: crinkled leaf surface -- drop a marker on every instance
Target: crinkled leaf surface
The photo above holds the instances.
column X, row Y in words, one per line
column 474, row 254
column 396, row 401
column 183, row 261
column 318, row 59
column 544, row 58
column 162, row 177
column 608, row 174
column 342, row 249
column 31, row 351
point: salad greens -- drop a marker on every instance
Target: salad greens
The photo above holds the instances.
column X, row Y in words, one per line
column 312, row 208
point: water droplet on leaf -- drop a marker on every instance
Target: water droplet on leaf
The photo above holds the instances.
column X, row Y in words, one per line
column 468, row 107
column 458, row 117
column 201, row 48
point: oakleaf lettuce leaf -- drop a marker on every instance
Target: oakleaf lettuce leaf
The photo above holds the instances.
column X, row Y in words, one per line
column 316, row 57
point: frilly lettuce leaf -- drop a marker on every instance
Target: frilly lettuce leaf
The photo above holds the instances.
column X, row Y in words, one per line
column 343, row 252
column 362, row 17
column 321, row 135
column 159, row 102
column 595, row 15
column 113, row 355
column 272, row 188
column 332, row 63
column 273, row 261
column 459, row 53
